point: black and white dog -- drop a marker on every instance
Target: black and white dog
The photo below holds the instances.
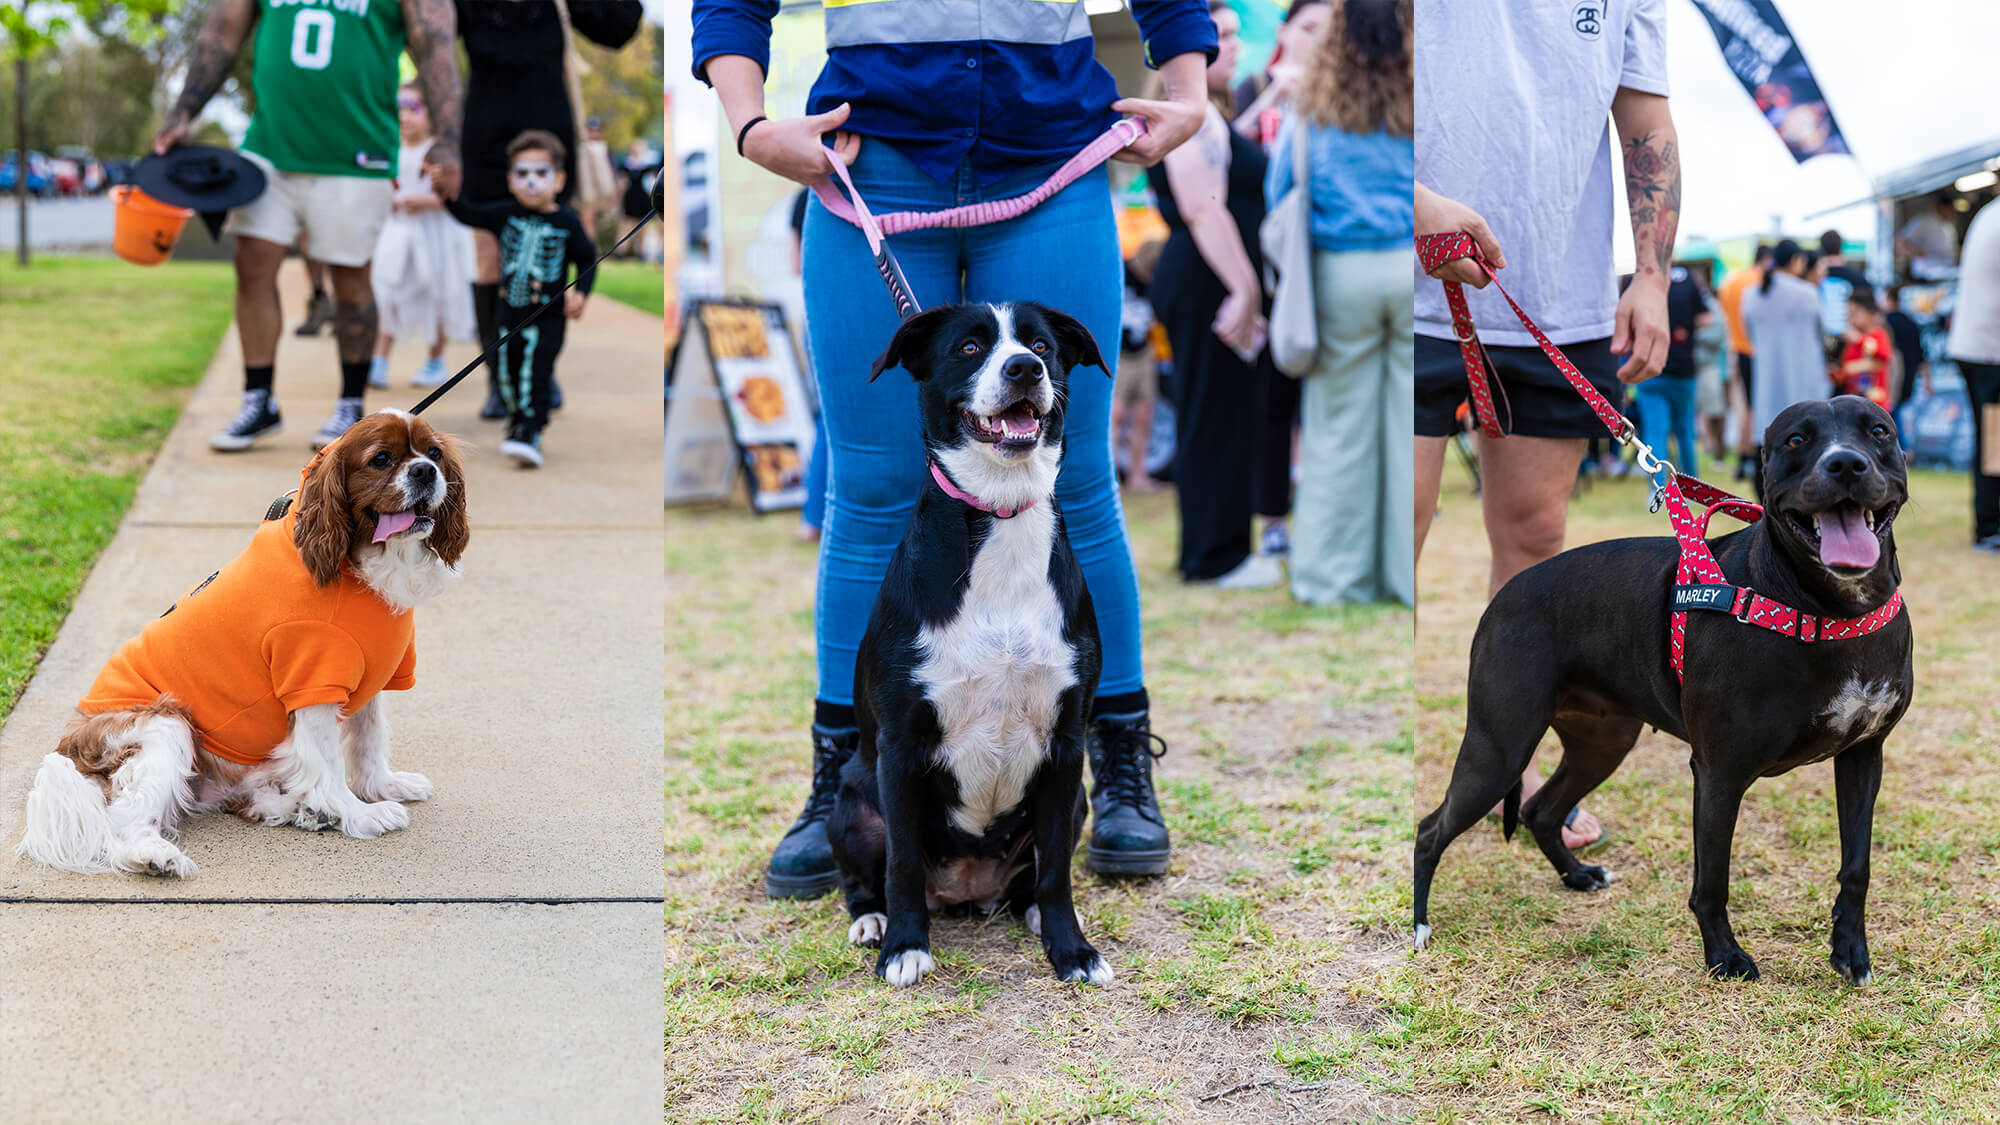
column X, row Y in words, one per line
column 1580, row 643
column 974, row 680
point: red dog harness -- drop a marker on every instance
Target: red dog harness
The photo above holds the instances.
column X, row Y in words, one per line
column 1698, row 580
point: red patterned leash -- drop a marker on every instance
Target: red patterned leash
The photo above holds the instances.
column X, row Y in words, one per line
column 1698, row 579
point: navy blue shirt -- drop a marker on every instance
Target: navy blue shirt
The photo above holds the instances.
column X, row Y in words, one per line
column 1006, row 105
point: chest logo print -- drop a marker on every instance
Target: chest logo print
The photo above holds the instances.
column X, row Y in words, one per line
column 1588, row 19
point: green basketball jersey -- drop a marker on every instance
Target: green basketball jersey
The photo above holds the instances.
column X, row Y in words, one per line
column 325, row 79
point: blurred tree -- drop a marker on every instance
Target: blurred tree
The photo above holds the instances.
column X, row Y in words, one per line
column 624, row 88
column 32, row 30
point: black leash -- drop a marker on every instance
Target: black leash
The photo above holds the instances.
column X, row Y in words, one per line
column 469, row 368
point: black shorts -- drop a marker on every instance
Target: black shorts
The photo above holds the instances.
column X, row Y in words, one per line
column 1746, row 371
column 1533, row 399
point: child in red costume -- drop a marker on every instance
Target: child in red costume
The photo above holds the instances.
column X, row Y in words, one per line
column 1865, row 361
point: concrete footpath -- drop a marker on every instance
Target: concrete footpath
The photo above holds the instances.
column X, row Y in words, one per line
column 500, row 959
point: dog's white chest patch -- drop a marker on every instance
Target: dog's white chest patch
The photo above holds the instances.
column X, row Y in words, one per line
column 997, row 670
column 1860, row 709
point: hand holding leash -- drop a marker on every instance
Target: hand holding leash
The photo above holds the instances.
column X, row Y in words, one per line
column 1437, row 215
column 792, row 148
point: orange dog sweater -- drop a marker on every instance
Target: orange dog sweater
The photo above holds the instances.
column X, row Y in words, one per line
column 258, row 641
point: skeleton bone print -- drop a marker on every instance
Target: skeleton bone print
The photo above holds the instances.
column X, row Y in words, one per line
column 531, row 259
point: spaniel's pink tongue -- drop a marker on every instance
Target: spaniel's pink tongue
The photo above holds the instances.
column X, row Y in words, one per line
column 389, row 523
column 1845, row 540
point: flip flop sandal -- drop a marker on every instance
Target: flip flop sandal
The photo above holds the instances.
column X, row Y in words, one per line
column 1603, row 837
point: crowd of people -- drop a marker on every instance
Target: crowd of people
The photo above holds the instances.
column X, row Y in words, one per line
column 386, row 188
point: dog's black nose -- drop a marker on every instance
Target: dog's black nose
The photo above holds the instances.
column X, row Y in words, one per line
column 1022, row 368
column 1844, row 464
column 423, row 472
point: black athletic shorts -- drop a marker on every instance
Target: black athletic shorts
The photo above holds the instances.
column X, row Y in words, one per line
column 1532, row 399
column 1746, row 369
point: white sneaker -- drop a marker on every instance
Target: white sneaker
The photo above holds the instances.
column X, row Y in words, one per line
column 378, row 373
column 346, row 412
column 432, row 374
column 1256, row 572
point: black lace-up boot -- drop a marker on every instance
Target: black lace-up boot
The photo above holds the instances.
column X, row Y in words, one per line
column 802, row 865
column 1127, row 834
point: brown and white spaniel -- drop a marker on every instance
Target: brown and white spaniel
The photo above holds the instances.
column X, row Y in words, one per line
column 257, row 692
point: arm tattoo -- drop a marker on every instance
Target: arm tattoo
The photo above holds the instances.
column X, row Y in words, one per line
column 1653, row 193
column 209, row 64
column 433, row 27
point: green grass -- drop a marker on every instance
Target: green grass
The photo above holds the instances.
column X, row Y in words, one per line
column 1287, row 788
column 100, row 358
column 642, row 286
column 1537, row 1002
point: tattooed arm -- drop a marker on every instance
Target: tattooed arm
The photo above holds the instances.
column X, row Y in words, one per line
column 1198, row 173
column 431, row 29
column 1653, row 192
column 209, row 64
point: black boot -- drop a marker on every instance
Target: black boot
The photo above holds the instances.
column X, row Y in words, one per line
column 1127, row 834
column 485, row 298
column 802, row 865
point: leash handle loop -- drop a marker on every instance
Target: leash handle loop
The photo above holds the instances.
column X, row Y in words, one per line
column 854, row 209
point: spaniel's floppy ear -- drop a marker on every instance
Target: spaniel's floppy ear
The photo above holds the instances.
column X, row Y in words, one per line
column 454, row 527
column 1074, row 344
column 323, row 530
column 910, row 346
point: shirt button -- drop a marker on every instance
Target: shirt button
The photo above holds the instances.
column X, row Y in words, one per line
column 967, row 131
column 970, row 63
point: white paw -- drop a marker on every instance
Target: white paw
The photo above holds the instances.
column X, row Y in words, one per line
column 867, row 929
column 1098, row 972
column 271, row 807
column 152, row 855
column 908, row 967
column 1423, row 935
column 1033, row 920
column 365, row 822
column 403, row 787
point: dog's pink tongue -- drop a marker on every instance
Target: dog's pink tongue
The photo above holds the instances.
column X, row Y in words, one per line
column 1845, row 540
column 389, row 523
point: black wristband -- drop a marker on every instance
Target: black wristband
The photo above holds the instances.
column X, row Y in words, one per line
column 745, row 131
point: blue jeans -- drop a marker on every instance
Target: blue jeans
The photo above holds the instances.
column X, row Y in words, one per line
column 1666, row 408
column 1063, row 254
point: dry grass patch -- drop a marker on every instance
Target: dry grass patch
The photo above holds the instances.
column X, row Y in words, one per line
column 1537, row 1001
column 1248, row 965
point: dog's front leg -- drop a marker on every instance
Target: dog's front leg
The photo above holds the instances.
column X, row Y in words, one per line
column 1716, row 801
column 310, row 764
column 1056, row 788
column 1857, row 776
column 906, row 938
column 365, row 737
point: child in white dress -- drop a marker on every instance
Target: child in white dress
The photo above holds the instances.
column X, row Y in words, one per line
column 422, row 269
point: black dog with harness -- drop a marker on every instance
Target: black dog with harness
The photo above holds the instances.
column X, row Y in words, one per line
column 1730, row 650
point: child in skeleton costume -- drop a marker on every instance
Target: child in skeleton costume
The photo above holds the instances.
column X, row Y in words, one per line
column 539, row 240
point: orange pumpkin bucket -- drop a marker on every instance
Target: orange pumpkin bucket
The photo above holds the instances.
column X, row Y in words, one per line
column 144, row 230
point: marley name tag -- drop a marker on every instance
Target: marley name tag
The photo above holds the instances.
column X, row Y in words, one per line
column 1705, row 597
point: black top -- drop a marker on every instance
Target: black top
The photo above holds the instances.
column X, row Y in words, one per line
column 1909, row 341
column 536, row 249
column 1685, row 301
column 639, row 178
column 514, row 79
column 1246, row 196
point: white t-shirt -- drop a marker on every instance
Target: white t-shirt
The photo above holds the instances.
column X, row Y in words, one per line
column 1934, row 237
column 1975, row 327
column 1513, row 120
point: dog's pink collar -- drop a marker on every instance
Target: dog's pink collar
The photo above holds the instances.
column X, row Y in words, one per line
column 957, row 493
